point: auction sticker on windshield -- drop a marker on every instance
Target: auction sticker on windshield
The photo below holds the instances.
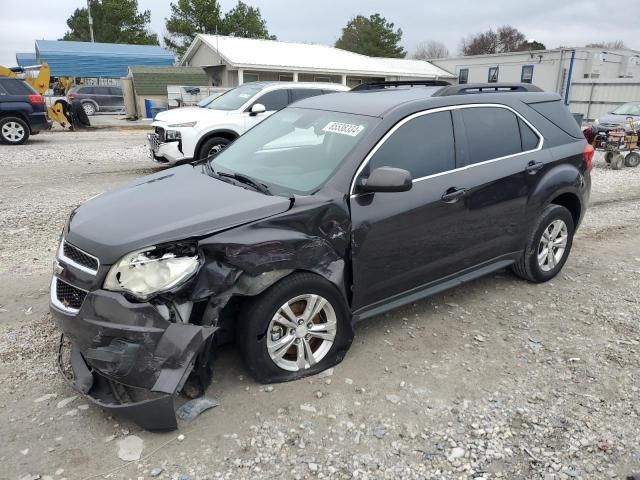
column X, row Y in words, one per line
column 343, row 128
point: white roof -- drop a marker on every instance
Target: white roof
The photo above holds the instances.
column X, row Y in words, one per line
column 305, row 57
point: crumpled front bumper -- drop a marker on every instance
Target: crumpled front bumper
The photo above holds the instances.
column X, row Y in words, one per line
column 126, row 357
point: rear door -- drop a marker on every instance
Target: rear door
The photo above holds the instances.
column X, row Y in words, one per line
column 406, row 240
column 116, row 100
column 501, row 152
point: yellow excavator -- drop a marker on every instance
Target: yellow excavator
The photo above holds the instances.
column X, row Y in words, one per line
column 58, row 112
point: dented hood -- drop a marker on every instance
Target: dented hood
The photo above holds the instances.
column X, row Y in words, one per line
column 170, row 205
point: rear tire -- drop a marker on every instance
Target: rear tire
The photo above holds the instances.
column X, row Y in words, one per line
column 632, row 159
column 617, row 162
column 548, row 246
column 608, row 156
column 212, row 146
column 277, row 348
column 13, row 131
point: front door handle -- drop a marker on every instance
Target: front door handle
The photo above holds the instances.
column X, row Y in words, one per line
column 453, row 194
column 534, row 167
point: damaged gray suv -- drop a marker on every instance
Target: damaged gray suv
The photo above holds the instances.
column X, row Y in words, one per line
column 331, row 211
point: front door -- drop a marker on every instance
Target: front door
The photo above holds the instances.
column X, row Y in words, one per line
column 404, row 240
column 273, row 102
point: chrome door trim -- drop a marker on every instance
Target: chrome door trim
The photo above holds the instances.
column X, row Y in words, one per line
column 446, row 109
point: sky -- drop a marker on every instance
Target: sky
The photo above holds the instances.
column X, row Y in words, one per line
column 552, row 22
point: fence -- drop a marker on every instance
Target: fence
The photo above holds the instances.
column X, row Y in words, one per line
column 593, row 98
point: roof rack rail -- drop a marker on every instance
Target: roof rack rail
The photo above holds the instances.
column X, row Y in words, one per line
column 399, row 83
column 474, row 88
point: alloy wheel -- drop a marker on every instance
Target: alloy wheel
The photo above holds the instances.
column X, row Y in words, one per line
column 301, row 332
column 89, row 109
column 215, row 149
column 553, row 244
column 13, row 132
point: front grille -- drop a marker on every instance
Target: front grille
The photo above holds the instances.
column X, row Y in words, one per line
column 160, row 132
column 78, row 256
column 154, row 141
column 69, row 296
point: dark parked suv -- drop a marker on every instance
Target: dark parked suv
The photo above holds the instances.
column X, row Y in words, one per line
column 23, row 111
column 333, row 210
column 97, row 98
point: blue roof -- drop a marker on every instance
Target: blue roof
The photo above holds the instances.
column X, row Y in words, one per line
column 26, row 59
column 85, row 59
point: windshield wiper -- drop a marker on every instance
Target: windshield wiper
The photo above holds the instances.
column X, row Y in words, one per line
column 247, row 180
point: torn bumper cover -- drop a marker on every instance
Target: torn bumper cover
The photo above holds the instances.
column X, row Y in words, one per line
column 126, row 357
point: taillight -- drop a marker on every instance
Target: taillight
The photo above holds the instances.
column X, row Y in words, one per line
column 36, row 99
column 71, row 95
column 589, row 151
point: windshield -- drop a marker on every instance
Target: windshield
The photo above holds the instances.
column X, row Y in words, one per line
column 207, row 100
column 295, row 150
column 628, row 109
column 234, row 99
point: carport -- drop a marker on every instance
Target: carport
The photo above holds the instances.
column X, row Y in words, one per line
column 98, row 60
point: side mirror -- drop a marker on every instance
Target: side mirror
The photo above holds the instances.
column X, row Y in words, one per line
column 386, row 179
column 257, row 108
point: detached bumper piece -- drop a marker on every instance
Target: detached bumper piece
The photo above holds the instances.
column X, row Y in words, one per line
column 152, row 411
column 125, row 356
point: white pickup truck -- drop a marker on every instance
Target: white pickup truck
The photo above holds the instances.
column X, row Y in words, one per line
column 192, row 133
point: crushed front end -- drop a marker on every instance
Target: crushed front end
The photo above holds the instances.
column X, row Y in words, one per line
column 126, row 355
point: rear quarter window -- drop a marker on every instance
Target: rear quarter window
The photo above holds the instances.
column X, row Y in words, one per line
column 16, row 87
column 559, row 115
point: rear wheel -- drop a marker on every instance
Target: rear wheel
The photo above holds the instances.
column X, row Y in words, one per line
column 632, row 159
column 608, row 156
column 548, row 246
column 298, row 327
column 617, row 162
column 13, row 130
column 212, row 146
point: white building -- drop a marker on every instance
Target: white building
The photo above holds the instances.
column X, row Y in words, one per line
column 591, row 80
column 231, row 61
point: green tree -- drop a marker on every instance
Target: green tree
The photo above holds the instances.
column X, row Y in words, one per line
column 373, row 36
column 245, row 21
column 190, row 17
column 114, row 21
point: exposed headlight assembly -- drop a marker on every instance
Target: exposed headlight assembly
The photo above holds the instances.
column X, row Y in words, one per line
column 154, row 270
column 172, row 135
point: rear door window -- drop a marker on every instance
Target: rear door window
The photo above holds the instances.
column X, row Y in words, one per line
column 492, row 132
column 424, row 146
column 300, row 93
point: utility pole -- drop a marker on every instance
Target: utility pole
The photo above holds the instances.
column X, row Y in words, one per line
column 90, row 21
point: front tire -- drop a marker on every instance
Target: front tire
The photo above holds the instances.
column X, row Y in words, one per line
column 13, row 131
column 297, row 327
column 89, row 108
column 632, row 159
column 212, row 146
column 548, row 246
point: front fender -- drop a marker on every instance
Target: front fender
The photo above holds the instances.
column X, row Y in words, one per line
column 223, row 130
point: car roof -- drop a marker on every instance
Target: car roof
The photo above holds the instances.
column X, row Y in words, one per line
column 379, row 102
column 314, row 85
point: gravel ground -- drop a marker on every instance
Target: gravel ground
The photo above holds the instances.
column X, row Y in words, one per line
column 495, row 379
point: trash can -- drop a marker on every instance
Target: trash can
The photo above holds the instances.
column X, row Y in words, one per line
column 579, row 117
column 148, row 104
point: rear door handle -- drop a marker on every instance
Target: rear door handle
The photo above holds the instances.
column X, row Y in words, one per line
column 453, row 194
column 534, row 167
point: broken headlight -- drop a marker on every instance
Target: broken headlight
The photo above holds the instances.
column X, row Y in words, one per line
column 154, row 270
